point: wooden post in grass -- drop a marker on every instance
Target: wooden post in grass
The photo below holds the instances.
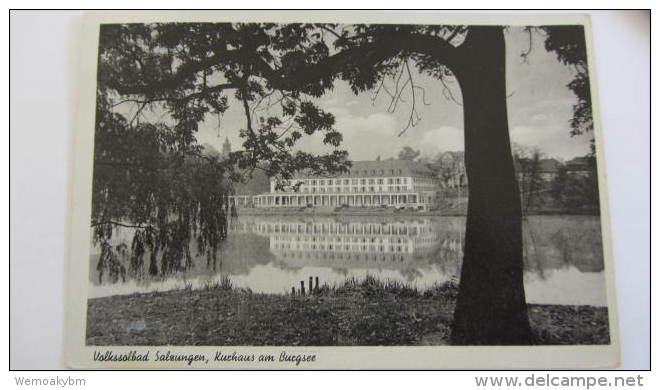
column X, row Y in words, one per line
column 302, row 288
column 311, row 289
column 316, row 287
column 293, row 291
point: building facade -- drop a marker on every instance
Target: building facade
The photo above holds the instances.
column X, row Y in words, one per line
column 581, row 166
column 545, row 169
column 388, row 183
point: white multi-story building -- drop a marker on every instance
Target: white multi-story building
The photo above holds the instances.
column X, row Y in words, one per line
column 388, row 183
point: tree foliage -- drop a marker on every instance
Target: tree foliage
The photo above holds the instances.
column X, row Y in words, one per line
column 409, row 154
column 167, row 194
column 529, row 179
column 577, row 191
column 568, row 43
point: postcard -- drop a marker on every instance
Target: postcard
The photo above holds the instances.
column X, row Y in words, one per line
column 339, row 190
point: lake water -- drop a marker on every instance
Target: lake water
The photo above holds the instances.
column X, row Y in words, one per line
column 271, row 254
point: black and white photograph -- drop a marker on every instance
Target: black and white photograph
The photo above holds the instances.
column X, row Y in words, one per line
column 311, row 184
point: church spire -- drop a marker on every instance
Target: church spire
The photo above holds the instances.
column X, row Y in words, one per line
column 226, row 148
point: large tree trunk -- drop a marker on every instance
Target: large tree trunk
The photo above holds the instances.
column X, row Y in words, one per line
column 491, row 307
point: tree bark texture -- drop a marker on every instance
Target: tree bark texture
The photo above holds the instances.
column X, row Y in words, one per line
column 491, row 307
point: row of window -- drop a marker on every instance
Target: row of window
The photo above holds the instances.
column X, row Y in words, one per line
column 427, row 180
column 340, row 256
column 330, row 182
column 356, row 189
column 372, row 240
column 354, row 248
column 343, row 229
column 364, row 172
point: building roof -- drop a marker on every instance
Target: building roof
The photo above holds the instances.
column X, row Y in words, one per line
column 384, row 168
column 549, row 165
column 546, row 165
column 580, row 164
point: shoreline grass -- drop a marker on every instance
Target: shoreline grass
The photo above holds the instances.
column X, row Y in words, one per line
column 357, row 312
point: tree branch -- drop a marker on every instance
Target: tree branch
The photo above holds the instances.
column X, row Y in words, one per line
column 136, row 91
column 414, row 117
column 361, row 56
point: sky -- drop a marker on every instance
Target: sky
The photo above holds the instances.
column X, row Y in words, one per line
column 539, row 108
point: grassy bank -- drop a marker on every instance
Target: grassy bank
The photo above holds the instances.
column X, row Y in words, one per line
column 366, row 312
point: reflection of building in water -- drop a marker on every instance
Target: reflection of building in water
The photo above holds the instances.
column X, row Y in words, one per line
column 394, row 183
column 351, row 244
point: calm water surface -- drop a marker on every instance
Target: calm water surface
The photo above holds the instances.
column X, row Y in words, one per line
column 271, row 254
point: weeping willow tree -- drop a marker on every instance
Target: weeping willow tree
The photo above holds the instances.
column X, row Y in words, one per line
column 151, row 176
column 150, row 180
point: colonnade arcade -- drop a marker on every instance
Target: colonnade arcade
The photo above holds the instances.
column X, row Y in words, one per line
column 301, row 200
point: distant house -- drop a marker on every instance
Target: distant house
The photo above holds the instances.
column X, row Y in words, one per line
column 546, row 169
column 581, row 166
